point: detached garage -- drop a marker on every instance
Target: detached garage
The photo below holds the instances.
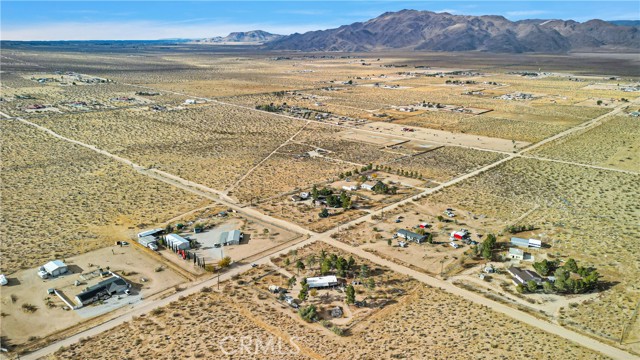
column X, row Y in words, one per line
column 175, row 241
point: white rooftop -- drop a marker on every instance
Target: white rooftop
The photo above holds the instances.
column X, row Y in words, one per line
column 54, row 265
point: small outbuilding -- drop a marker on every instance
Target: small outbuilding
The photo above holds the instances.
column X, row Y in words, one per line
column 152, row 232
column 368, row 185
column 147, row 240
column 516, row 254
column 230, row 238
column 52, row 269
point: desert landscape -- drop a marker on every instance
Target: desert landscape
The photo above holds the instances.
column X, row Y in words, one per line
column 320, row 195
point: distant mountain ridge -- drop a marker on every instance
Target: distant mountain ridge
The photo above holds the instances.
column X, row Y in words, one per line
column 428, row 31
column 254, row 37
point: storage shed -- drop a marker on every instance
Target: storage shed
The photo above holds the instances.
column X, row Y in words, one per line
column 152, row 232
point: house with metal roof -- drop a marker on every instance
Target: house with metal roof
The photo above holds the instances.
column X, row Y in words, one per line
column 322, row 282
column 411, row 236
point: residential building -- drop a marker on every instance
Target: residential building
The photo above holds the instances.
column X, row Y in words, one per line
column 103, row 290
column 411, row 236
column 521, row 277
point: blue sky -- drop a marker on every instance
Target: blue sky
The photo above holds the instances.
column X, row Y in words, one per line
column 126, row 20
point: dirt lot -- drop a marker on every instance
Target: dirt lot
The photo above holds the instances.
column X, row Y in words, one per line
column 130, row 262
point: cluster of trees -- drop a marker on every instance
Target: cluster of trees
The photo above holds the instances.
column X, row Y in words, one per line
column 485, row 248
column 382, row 188
column 269, row 108
column 356, row 171
column 514, row 229
column 564, row 282
column 411, row 174
column 308, row 313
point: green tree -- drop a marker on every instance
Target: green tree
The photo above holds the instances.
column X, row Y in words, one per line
column 299, row 265
column 325, row 268
column 341, row 267
column 371, row 284
column 224, row 262
column 430, row 238
column 324, row 213
column 547, row 287
column 532, row 286
column 389, row 242
column 351, row 294
column 308, row 313
column 351, row 263
column 487, row 246
column 345, row 200
column 364, row 271
column 311, row 260
column 291, row 282
column 314, row 193
column 287, row 262
column 571, row 266
column 302, row 295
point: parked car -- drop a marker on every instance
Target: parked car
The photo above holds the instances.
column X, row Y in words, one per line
column 153, row 246
column 454, row 245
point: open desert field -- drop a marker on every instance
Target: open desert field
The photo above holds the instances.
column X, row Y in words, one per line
column 60, row 199
column 244, row 308
column 615, row 143
column 210, row 145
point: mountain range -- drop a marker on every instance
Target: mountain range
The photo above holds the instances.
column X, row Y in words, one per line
column 428, row 31
column 254, row 37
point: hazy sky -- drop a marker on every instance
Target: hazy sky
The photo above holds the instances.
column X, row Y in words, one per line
column 126, row 20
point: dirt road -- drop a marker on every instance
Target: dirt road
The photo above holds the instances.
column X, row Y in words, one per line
column 220, row 197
